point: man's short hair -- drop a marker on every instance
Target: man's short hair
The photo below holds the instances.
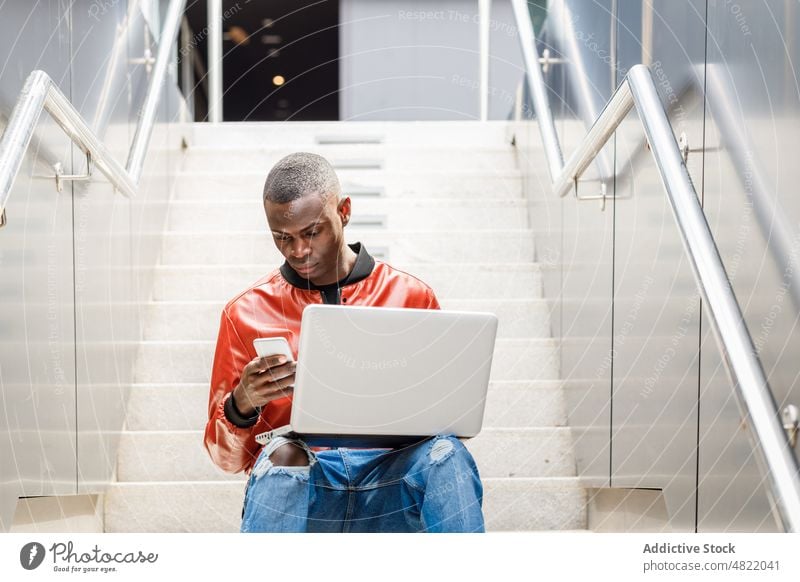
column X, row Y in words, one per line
column 299, row 174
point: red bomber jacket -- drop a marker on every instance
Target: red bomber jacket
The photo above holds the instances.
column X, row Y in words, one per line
column 273, row 307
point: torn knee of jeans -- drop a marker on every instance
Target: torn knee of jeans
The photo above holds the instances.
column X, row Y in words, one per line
column 265, row 467
column 264, row 464
column 441, row 449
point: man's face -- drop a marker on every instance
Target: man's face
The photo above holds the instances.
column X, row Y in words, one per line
column 309, row 233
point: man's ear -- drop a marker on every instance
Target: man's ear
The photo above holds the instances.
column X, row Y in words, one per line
column 344, row 210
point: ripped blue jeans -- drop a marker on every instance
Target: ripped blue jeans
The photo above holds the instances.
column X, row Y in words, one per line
column 431, row 486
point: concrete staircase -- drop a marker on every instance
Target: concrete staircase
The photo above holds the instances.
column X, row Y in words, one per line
column 440, row 200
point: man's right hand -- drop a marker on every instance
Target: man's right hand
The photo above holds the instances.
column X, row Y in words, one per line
column 264, row 379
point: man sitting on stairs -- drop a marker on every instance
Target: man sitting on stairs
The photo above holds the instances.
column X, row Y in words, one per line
column 431, row 486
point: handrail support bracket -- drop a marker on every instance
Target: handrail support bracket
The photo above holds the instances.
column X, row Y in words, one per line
column 791, row 423
column 602, row 197
column 61, row 177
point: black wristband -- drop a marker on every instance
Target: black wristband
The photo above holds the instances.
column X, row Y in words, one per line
column 236, row 418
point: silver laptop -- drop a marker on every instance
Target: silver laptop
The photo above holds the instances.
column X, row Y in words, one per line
column 385, row 377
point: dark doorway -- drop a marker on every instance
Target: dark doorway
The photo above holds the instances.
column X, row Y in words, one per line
column 280, row 58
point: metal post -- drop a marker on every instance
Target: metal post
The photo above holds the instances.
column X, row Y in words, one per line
column 187, row 68
column 215, row 61
column 484, row 13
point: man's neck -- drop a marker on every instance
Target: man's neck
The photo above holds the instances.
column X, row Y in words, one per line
column 347, row 260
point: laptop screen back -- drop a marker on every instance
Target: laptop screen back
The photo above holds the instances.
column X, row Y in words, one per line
column 392, row 371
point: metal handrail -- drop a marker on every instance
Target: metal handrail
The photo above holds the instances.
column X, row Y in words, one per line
column 742, row 363
column 537, row 89
column 40, row 93
column 138, row 152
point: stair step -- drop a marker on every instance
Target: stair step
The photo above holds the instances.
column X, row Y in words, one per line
column 355, row 156
column 216, row 506
column 453, row 246
column 534, row 504
column 305, row 134
column 190, row 361
column 427, row 185
column 449, row 281
column 176, row 320
column 181, row 456
column 176, row 407
column 333, row 138
column 398, row 214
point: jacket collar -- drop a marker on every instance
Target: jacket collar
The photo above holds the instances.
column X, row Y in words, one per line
column 361, row 270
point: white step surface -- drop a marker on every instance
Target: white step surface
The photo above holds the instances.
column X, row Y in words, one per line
column 509, row 504
column 299, row 134
column 367, row 157
column 182, row 407
column 190, row 361
column 175, row 320
column 452, row 281
column 431, row 184
column 498, row 452
column 515, row 504
column 258, row 247
column 397, row 214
